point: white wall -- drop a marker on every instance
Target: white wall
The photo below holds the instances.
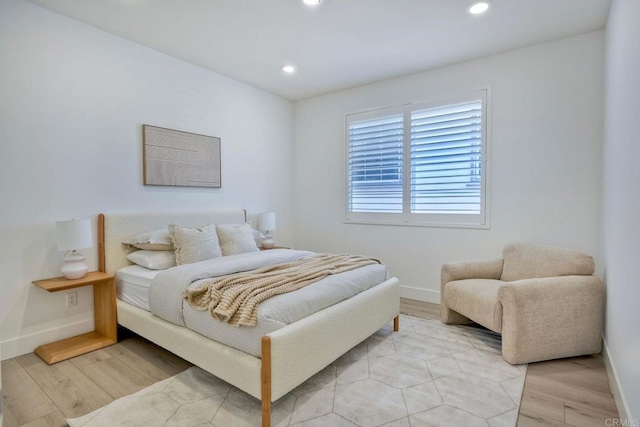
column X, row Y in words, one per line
column 546, row 126
column 622, row 201
column 72, row 102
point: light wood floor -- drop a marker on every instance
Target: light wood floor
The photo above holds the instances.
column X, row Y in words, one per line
column 564, row 392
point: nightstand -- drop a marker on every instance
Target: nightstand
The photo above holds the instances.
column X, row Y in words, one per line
column 275, row 247
column 104, row 306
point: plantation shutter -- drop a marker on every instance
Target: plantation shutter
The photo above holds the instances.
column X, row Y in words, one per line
column 446, row 159
column 422, row 163
column 375, row 147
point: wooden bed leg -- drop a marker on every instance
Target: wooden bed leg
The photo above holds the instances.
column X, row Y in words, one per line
column 396, row 323
column 266, row 381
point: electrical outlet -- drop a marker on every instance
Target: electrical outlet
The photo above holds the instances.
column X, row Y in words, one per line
column 72, row 299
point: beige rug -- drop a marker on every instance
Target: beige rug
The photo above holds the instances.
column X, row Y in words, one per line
column 428, row 374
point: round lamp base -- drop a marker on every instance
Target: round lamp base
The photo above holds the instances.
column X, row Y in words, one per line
column 267, row 243
column 74, row 266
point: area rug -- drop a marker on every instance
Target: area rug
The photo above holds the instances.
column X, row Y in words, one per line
column 427, row 374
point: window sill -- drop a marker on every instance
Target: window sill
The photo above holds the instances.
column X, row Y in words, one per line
column 418, row 224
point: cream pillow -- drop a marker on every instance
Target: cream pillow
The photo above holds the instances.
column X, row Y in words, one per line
column 153, row 260
column 236, row 239
column 156, row 240
column 194, row 244
column 257, row 236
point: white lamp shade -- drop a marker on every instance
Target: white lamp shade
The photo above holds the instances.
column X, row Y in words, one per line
column 74, row 234
column 267, row 221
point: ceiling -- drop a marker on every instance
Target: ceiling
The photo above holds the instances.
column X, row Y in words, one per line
column 336, row 45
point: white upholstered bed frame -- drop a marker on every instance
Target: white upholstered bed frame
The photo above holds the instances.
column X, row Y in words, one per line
column 290, row 355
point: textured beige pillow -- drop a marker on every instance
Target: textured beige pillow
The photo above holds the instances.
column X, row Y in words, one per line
column 257, row 236
column 236, row 239
column 194, row 244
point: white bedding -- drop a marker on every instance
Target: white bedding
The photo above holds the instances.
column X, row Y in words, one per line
column 166, row 302
column 132, row 284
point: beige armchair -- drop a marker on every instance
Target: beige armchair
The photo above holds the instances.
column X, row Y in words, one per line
column 544, row 301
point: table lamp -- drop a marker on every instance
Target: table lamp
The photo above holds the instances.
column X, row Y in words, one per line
column 72, row 235
column 267, row 222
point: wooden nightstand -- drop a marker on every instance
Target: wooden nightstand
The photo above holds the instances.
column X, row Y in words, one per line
column 104, row 306
column 275, row 247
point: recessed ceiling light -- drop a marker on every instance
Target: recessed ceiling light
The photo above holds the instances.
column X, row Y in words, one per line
column 289, row 69
column 312, row 2
column 478, row 7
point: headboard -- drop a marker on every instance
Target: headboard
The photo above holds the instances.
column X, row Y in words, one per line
column 114, row 228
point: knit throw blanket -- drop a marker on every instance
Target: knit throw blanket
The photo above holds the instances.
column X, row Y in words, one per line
column 234, row 298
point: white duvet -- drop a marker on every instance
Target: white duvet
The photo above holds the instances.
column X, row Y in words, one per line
column 165, row 296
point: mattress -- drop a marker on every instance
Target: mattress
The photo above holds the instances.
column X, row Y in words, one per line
column 132, row 285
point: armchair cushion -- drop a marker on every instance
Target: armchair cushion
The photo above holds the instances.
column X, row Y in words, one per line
column 490, row 269
column 477, row 299
column 528, row 261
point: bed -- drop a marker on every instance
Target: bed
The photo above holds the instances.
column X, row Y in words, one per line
column 287, row 356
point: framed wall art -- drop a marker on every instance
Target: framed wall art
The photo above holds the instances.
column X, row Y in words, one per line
column 180, row 159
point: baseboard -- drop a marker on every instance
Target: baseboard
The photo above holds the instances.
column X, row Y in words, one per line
column 18, row 346
column 614, row 385
column 420, row 294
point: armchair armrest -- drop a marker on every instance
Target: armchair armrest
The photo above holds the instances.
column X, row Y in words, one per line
column 551, row 317
column 490, row 269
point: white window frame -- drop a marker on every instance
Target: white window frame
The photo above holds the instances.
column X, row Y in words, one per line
column 407, row 218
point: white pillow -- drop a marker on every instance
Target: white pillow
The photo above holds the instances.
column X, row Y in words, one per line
column 257, row 236
column 156, row 240
column 153, row 260
column 194, row 244
column 236, row 239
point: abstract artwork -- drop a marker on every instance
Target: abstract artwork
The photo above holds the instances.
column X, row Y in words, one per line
column 180, row 159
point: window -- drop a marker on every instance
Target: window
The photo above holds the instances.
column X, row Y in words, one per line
column 421, row 163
